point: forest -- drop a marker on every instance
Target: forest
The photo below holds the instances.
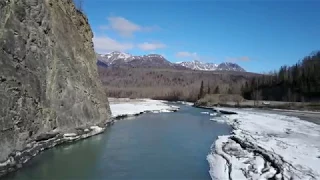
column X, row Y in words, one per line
column 169, row 84
column 297, row 83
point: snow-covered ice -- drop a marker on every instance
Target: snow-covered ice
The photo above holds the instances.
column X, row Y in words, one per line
column 265, row 145
column 127, row 107
column 185, row 103
column 213, row 114
column 96, row 129
column 69, row 135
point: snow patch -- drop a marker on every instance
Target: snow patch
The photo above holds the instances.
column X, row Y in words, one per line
column 69, row 135
column 265, row 145
column 7, row 162
column 218, row 120
column 96, row 129
column 138, row 106
column 213, row 114
column 198, row 65
column 219, row 169
column 186, row 103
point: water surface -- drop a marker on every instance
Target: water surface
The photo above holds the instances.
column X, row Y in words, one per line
column 151, row 146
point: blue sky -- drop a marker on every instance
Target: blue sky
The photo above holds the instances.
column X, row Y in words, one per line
column 259, row 35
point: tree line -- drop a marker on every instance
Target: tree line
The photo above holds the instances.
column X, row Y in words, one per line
column 168, row 84
column 203, row 91
column 297, row 83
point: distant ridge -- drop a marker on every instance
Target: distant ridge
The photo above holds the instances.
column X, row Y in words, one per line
column 116, row 58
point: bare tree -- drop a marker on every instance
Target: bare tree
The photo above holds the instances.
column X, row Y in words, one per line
column 238, row 100
column 257, row 96
column 289, row 95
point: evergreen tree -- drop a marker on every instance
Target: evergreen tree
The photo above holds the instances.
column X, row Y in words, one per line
column 299, row 82
column 201, row 93
column 217, row 90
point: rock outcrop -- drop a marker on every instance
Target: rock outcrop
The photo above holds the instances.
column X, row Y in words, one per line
column 48, row 76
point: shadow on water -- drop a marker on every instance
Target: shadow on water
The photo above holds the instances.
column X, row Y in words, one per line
column 150, row 146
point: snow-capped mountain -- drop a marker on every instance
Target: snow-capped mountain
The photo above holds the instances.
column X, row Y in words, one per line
column 198, row 65
column 116, row 58
column 113, row 57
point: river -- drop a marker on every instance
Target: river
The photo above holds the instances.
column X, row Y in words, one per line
column 150, row 146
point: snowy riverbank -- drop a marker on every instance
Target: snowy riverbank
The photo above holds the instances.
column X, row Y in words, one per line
column 265, row 145
column 123, row 107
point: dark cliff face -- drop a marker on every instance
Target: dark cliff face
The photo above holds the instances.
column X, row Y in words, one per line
column 48, row 75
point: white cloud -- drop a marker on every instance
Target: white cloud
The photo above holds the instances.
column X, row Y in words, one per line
column 125, row 27
column 146, row 46
column 105, row 44
column 184, row 54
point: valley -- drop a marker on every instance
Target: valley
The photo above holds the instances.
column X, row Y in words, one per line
column 156, row 91
column 152, row 76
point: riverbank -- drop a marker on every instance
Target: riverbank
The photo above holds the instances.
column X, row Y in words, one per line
column 125, row 107
column 310, row 116
column 304, row 110
column 237, row 101
column 265, row 145
column 120, row 108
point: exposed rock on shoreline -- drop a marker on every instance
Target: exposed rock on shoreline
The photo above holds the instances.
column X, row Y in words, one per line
column 45, row 141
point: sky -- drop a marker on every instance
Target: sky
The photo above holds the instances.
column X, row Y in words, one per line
column 259, row 35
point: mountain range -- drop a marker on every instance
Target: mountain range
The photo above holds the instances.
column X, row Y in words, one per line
column 116, row 59
column 202, row 66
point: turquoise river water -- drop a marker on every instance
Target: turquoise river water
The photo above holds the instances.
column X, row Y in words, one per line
column 151, row 146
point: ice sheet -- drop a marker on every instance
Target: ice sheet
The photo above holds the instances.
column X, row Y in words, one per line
column 264, row 145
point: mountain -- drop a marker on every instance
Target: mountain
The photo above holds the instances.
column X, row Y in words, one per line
column 113, row 57
column 198, row 65
column 227, row 66
column 117, row 59
column 102, row 64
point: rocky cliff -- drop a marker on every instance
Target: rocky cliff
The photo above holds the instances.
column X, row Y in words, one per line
column 48, row 77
